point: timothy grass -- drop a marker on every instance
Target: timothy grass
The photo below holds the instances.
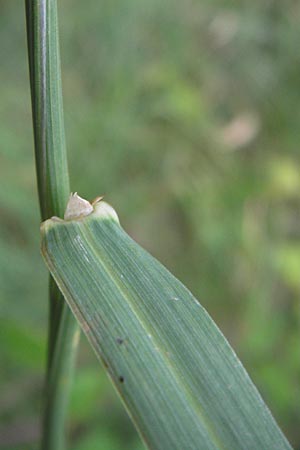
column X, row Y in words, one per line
column 149, row 88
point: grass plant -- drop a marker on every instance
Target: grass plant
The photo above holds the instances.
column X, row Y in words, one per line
column 180, row 380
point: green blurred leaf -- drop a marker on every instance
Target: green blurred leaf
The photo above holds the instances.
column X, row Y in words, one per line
column 22, row 345
column 91, row 386
column 288, row 264
column 99, row 439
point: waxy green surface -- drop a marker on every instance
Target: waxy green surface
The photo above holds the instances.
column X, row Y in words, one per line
column 181, row 382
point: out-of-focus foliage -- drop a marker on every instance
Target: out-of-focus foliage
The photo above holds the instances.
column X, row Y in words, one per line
column 186, row 115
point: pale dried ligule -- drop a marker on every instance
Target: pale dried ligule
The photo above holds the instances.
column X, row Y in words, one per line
column 77, row 207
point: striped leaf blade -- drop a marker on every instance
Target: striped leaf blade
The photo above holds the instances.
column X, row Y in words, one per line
column 180, row 380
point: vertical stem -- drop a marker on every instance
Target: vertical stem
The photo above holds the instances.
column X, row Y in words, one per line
column 53, row 189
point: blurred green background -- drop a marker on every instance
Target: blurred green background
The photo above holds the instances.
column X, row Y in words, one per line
column 186, row 116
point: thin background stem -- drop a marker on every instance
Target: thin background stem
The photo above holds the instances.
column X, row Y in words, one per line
column 53, row 189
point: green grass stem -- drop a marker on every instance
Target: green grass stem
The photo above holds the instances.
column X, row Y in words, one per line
column 54, row 190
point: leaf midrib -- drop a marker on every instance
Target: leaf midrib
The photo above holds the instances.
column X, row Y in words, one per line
column 200, row 412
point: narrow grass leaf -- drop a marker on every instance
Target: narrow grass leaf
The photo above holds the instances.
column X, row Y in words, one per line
column 180, row 380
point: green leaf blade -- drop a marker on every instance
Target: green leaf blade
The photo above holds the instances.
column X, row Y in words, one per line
column 180, row 380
